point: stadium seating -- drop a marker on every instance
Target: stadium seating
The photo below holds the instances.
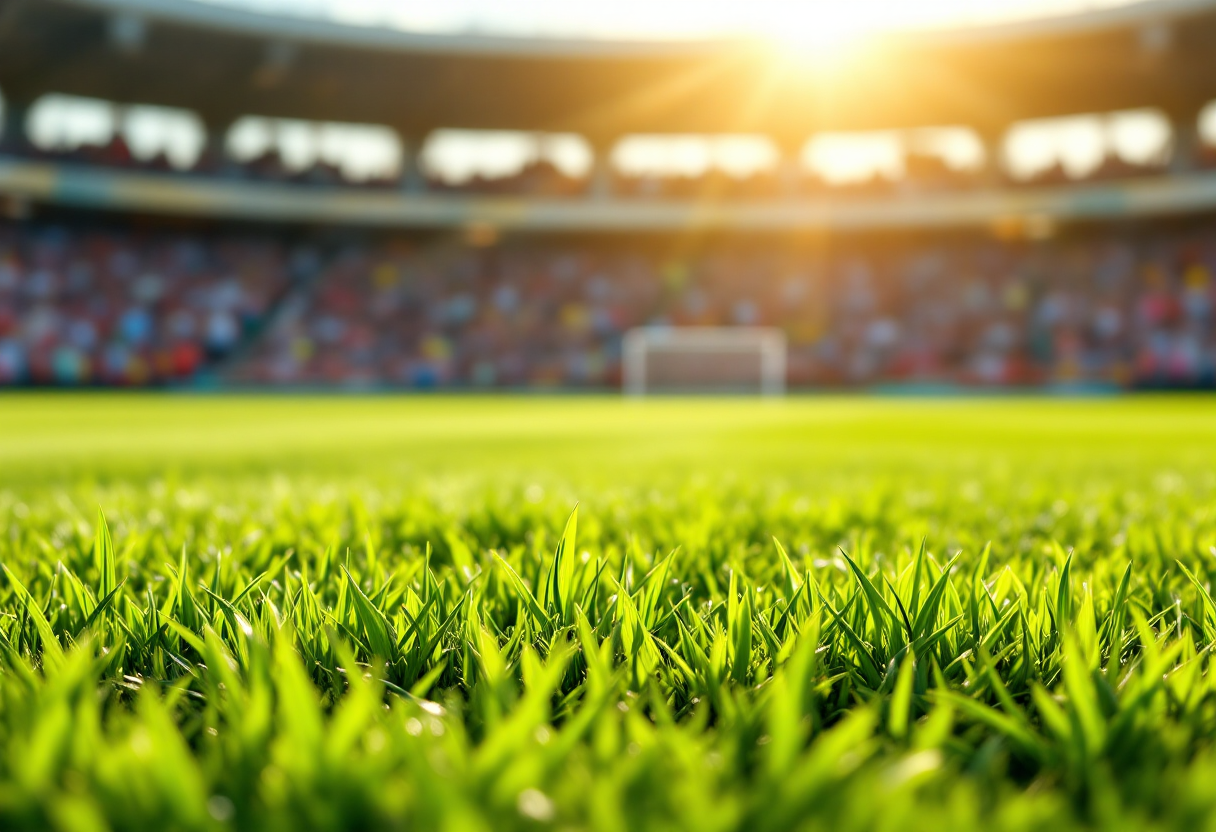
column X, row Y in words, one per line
column 91, row 305
column 1099, row 309
column 117, row 270
column 84, row 304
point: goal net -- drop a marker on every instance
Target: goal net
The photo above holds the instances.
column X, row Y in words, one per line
column 704, row 360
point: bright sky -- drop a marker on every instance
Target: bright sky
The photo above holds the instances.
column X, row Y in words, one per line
column 816, row 20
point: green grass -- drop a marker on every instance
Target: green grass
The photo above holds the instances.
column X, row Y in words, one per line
column 838, row 614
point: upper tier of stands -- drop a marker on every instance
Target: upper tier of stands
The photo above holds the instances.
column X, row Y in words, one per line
column 923, row 173
column 223, row 63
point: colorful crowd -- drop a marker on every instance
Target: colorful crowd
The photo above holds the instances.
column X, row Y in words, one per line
column 1120, row 307
column 1109, row 308
column 127, row 308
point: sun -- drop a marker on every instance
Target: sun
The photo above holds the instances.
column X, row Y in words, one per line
column 833, row 30
column 833, row 26
column 818, row 36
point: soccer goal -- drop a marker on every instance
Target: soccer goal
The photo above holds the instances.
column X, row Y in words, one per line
column 704, row 360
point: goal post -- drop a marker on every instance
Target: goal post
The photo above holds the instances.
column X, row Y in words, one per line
column 662, row 359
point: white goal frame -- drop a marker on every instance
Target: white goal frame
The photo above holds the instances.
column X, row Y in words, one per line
column 769, row 342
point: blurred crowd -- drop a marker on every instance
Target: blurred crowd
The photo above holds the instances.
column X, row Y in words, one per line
column 1110, row 308
column 127, row 308
column 1115, row 306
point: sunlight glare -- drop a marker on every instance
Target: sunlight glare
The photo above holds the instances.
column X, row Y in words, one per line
column 830, row 26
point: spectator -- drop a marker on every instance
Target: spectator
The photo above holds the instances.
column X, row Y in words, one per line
column 83, row 306
column 95, row 307
column 971, row 312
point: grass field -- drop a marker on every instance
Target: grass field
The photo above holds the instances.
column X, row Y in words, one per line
column 823, row 613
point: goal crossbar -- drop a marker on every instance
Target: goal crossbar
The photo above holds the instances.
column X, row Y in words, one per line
column 729, row 348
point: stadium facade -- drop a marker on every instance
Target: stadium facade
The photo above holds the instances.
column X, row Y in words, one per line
column 116, row 271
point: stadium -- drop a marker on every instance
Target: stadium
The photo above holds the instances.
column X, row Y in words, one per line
column 728, row 418
column 930, row 273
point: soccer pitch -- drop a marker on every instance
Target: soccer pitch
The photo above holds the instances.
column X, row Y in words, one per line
column 817, row 613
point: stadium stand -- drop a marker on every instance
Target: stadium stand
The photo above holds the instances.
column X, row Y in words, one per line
column 125, row 308
column 128, row 271
column 1112, row 306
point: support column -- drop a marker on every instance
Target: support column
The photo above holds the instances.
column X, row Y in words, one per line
column 992, row 172
column 413, row 179
column 599, row 184
column 13, row 136
column 1186, row 145
column 790, row 172
column 214, row 158
column 14, row 139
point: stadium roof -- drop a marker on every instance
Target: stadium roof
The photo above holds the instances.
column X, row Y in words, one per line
column 225, row 62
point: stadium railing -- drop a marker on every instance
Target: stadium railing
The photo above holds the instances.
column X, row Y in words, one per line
column 97, row 187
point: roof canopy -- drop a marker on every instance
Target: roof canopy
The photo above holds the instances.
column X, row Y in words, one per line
column 224, row 63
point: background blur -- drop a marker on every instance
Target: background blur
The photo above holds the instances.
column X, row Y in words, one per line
column 377, row 195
